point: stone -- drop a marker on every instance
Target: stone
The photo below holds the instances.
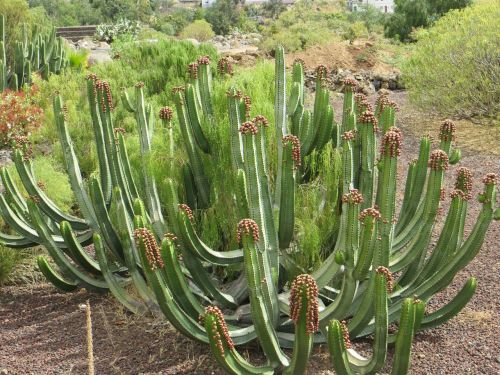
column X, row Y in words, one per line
column 193, row 41
column 86, row 44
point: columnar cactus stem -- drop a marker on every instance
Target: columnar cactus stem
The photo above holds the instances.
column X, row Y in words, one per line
column 367, row 129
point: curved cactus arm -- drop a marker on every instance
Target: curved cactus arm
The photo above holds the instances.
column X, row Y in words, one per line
column 294, row 98
column 195, row 160
column 367, row 241
column 189, row 186
column 452, row 308
column 198, row 247
column 280, row 117
column 297, row 120
column 53, row 277
column 306, row 133
column 195, row 119
column 325, row 122
column 76, row 251
column 127, row 170
column 223, row 346
column 72, row 166
column 12, row 191
column 127, row 102
column 368, row 147
column 205, row 85
column 15, row 242
column 116, row 287
column 338, row 350
column 59, row 257
column 24, row 170
column 233, row 103
column 258, row 285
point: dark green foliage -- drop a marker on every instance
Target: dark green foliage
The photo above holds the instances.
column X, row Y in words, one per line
column 225, row 15
column 8, row 261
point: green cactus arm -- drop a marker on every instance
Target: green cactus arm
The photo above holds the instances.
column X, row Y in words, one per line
column 365, row 310
column 280, row 117
column 297, row 120
column 116, row 287
column 241, row 195
column 306, row 133
column 72, row 166
column 195, row 119
column 24, row 169
column 205, row 88
column 287, row 205
column 53, row 277
column 367, row 241
column 13, row 197
column 324, row 125
column 404, row 338
column 224, row 351
column 261, row 313
column 204, row 252
column 235, row 124
column 76, row 251
column 294, row 99
column 15, row 242
column 127, row 170
column 83, row 279
column 455, row 156
column 195, row 161
column 189, row 186
column 337, row 348
column 127, row 102
column 368, row 147
column 452, row 308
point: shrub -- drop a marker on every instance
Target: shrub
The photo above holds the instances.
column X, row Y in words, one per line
column 224, row 15
column 354, row 31
column 454, row 65
column 108, row 33
column 9, row 259
column 19, row 116
column 200, row 30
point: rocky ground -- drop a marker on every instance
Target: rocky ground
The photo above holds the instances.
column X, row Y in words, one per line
column 43, row 331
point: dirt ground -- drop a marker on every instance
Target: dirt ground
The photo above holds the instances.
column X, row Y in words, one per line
column 43, row 331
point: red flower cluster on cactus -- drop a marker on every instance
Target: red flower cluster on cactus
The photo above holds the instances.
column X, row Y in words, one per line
column 369, row 212
column 464, row 181
column 391, row 143
column 19, row 116
column 204, row 60
column 220, row 323
column 369, row 118
column 224, row 66
column 248, row 106
column 152, row 249
column 354, row 197
column 247, row 226
column 388, row 276
column 321, row 72
column 166, row 114
column 305, row 284
column 345, row 334
column 249, row 127
column 189, row 212
column 490, row 179
column 439, row 160
column 261, row 120
column 447, row 131
column 193, row 70
column 294, row 141
column 348, row 136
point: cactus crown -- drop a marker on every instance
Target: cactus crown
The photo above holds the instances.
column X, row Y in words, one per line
column 261, row 120
column 439, row 160
column 204, row 60
column 368, row 117
column 153, row 254
column 348, row 136
column 224, row 66
column 388, row 276
column 490, row 179
column 447, row 131
column 219, row 330
column 345, row 334
column 170, row 236
column 391, row 143
column 350, row 84
column 248, row 105
column 362, row 103
column 247, row 227
column 249, row 127
column 370, row 212
column 295, row 143
column 463, row 182
column 353, row 197
column 189, row 212
column 299, row 61
column 166, row 114
column 177, row 89
column 321, row 73
column 304, row 288
column 193, row 70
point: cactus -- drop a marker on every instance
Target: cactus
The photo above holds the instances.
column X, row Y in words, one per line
column 152, row 245
column 43, row 53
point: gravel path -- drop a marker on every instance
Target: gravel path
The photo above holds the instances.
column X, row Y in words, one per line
column 43, row 331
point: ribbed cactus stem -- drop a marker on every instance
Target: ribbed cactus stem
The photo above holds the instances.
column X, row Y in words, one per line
column 348, row 106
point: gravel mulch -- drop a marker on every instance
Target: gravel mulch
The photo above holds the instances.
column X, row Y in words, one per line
column 43, row 331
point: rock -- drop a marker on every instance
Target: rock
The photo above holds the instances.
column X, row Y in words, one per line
column 86, row 44
column 99, row 57
column 5, row 157
column 104, row 45
column 194, row 41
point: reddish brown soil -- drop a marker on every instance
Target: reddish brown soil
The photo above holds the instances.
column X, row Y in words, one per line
column 43, row 331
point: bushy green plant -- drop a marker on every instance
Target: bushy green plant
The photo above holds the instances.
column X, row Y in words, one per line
column 224, row 15
column 70, row 13
column 8, row 261
column 200, row 30
column 355, row 31
column 108, row 33
column 453, row 68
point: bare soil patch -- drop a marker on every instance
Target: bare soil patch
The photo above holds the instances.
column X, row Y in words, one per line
column 43, row 331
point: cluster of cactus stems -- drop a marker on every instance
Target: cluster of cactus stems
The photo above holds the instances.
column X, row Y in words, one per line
column 149, row 242
column 44, row 53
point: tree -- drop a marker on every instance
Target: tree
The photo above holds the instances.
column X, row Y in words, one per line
column 273, row 8
column 408, row 15
column 224, row 15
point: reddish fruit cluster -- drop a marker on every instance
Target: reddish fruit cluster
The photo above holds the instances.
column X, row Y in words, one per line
column 261, row 120
column 249, row 127
column 383, row 102
column 321, row 72
column 248, row 106
column 388, row 277
column 172, row 237
column 447, row 131
column 392, row 143
column 372, row 212
column 460, row 194
column 224, row 66
column 345, row 334
column 221, row 325
column 177, row 89
column 442, row 194
column 382, row 97
column 34, row 198
column 238, row 94
column 439, row 160
column 362, row 104
column 350, row 84
column 166, row 114
column 41, row 185
column 118, row 131
column 204, row 60
column 464, row 181
column 193, row 70
column 294, row 141
column 247, row 226
column 153, row 254
column 354, row 197
column 368, row 117
column 103, row 86
column 305, row 286
column 139, row 85
column 347, row 136
column 490, row 179
column 300, row 61
column 189, row 212
column 23, row 144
